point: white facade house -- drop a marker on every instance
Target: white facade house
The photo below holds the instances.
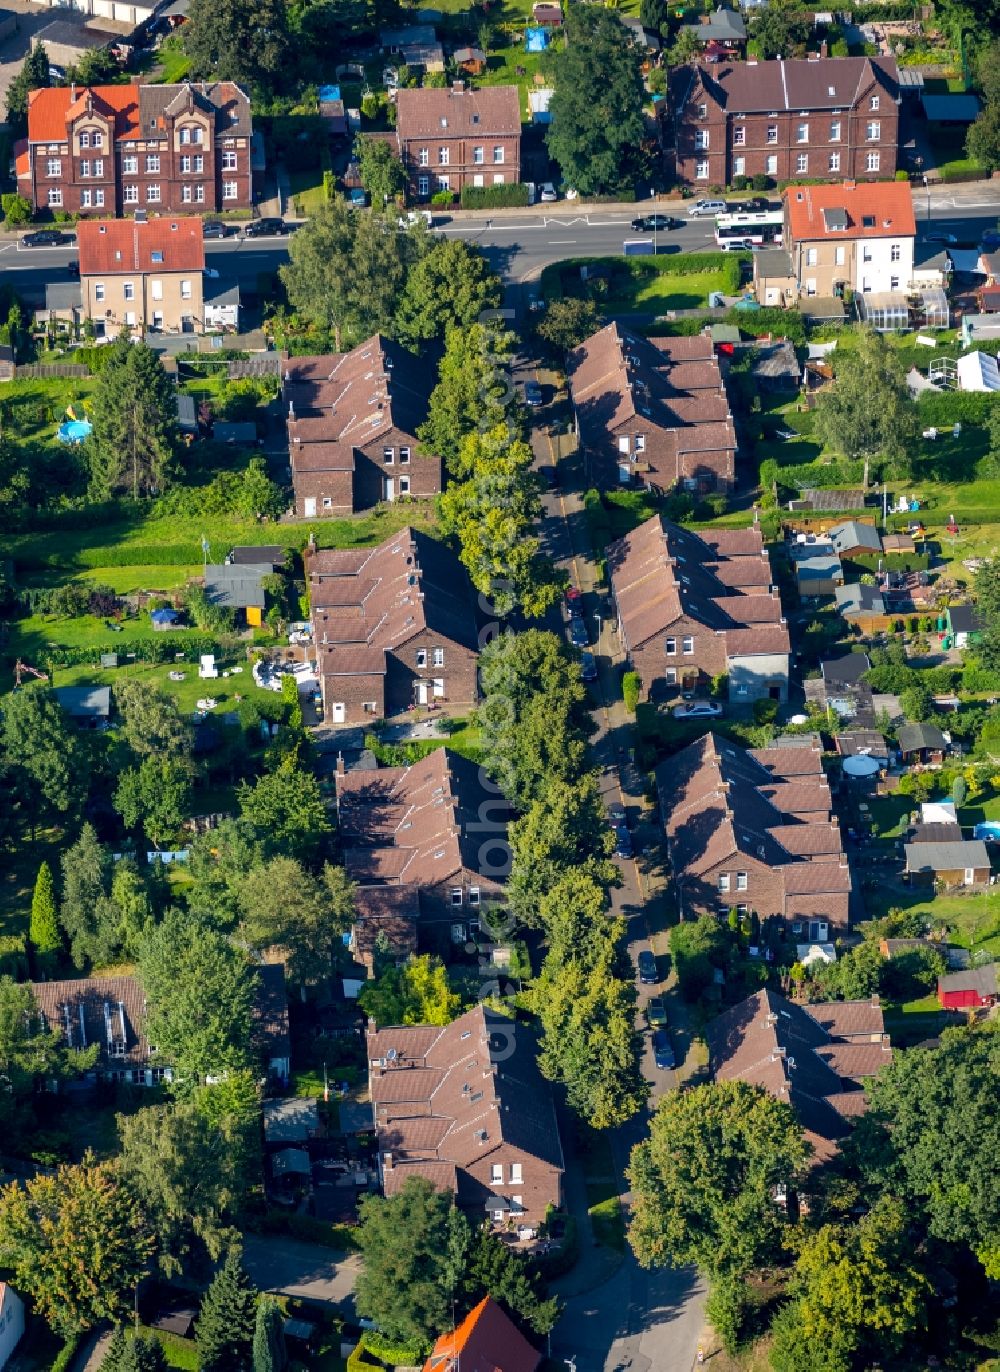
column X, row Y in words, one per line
column 11, row 1322
column 856, row 236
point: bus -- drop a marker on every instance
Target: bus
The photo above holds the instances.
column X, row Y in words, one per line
column 758, row 227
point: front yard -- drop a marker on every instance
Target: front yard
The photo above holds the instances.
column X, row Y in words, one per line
column 644, row 285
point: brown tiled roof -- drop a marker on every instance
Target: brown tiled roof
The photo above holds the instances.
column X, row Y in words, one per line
column 466, row 113
column 442, row 1175
column 850, row 1019
column 223, row 99
column 479, row 1082
column 789, row 762
column 660, row 572
column 388, row 914
column 784, row 1048
column 793, row 84
column 103, row 1010
column 416, row 825
column 816, row 878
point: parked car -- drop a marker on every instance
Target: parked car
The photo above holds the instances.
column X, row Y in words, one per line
column 547, row 192
column 656, row 1013
column 990, row 241
column 616, row 814
column 43, row 238
column 413, row 217
column 663, row 1054
column 573, row 598
column 941, row 237
column 214, row 228
column 532, row 394
column 707, row 208
column 737, row 245
column 264, row 228
column 73, row 268
column 623, row 842
column 588, row 667
column 647, row 223
column 648, row 974
column 698, row 709
column 550, row 476
column 578, row 635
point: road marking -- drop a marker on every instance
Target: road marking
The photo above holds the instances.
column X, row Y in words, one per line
column 560, row 242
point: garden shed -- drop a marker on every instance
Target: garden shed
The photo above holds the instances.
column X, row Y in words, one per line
column 968, row 990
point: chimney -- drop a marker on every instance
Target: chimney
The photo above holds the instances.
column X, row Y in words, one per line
column 72, row 93
column 341, row 769
column 386, row 1162
column 291, row 409
column 824, row 48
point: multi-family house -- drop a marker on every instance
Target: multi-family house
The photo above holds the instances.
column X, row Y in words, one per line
column 435, row 828
column 815, row 1058
column 116, row 149
column 652, row 412
column 785, row 119
column 394, row 626
column 352, row 425
column 465, row 1106
column 852, row 236
column 457, row 137
column 754, row 830
column 693, row 606
column 142, row 275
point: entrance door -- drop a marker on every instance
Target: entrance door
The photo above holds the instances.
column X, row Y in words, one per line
column 423, row 692
column 337, row 712
column 388, row 488
column 309, row 505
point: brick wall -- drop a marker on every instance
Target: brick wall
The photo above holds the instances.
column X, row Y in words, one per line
column 459, row 673
column 651, row 659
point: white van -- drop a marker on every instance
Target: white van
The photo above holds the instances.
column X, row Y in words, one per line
column 701, row 209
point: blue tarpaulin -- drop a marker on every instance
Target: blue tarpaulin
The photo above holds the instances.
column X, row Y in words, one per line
column 327, row 93
column 535, row 40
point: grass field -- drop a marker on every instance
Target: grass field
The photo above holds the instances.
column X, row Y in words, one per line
column 636, row 285
column 173, row 62
column 226, row 691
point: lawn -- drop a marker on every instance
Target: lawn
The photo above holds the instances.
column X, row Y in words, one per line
column 639, row 285
column 971, row 919
column 185, row 693
column 916, row 1020
column 173, row 62
column 179, row 1352
column 308, row 190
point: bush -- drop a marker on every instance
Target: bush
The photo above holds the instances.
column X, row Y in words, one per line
column 360, row 1362
column 16, row 210
column 66, row 1354
column 727, row 1309
column 631, row 687
column 13, row 956
column 443, row 198
column 761, row 182
column 941, row 409
column 902, row 175
column 395, row 1354
column 494, row 197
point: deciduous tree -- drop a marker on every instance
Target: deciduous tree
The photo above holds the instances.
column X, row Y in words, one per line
column 286, row 811
column 450, row 286
column 596, row 106
column 219, row 862
column 84, row 910
column 868, row 413
column 246, row 41
column 150, row 722
column 982, row 142
column 493, row 1268
column 418, row 992
column 382, row 173
column 34, row 75
column 474, row 391
column 225, row 1325
column 77, row 1242
column 568, row 323
column 703, row 1182
column 134, row 417
column 564, row 831
column 307, row 921
column 155, row 795
column 49, row 760
column 29, row 1053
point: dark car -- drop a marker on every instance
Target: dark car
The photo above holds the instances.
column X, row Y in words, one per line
column 623, row 842
column 758, row 203
column 532, row 394
column 550, row 476
column 214, row 228
column 43, row 238
column 648, row 974
column 656, row 1013
column 578, row 633
column 588, row 667
column 663, row 1054
column 263, row 228
column 647, row 223
column 990, row 241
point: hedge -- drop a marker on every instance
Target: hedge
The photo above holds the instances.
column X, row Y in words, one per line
column 357, row 1362
column 393, row 1353
column 114, row 555
column 631, row 686
column 494, row 197
column 155, row 648
column 891, row 562
column 66, row 1354
column 944, row 408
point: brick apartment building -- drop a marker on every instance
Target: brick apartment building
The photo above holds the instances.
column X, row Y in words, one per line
column 652, row 412
column 433, row 828
column 465, row 1106
column 819, row 117
column 142, row 275
column 352, row 429
column 696, row 606
column 458, row 137
column 110, row 150
column 394, row 626
column 754, row 830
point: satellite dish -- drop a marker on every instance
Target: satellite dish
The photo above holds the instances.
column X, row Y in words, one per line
column 391, row 1055
column 861, row 766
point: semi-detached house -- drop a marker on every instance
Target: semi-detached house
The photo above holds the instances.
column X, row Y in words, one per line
column 394, row 627
column 457, row 137
column 652, row 412
column 785, row 119
column 142, row 275
column 696, row 606
column 754, row 830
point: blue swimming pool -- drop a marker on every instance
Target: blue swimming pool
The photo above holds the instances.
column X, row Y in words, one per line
column 989, row 829
column 74, row 430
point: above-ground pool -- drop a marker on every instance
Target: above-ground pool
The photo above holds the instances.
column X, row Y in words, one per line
column 988, row 829
column 74, row 430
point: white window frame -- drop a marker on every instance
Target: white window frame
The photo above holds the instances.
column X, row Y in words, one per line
column 835, row 131
column 437, row 658
column 802, row 133
column 152, row 195
column 724, row 883
column 873, row 162
column 444, row 156
column 687, row 645
column 156, row 289
column 186, row 291
column 496, row 1174
column 53, row 167
column 130, row 165
column 701, row 170
column 741, row 881
column 424, row 157
column 128, row 290
column 771, row 165
column 230, row 190
column 671, row 647
column 739, row 136
column 874, row 103
column 421, row 658
column 873, row 131
column 515, row 1174
column 130, row 195
column 99, row 292
column 802, row 163
column 835, row 161
column 153, row 163
column 772, row 133
column 456, row 897
column 499, row 154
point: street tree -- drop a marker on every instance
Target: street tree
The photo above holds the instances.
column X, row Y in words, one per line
column 199, row 992
column 413, row 1246
column 246, row 41
column 346, row 272
column 77, row 1243
column 307, row 922
column 418, row 992
column 449, row 287
column 703, row 1182
column 869, row 413
column 381, row 172
column 931, row 1136
column 155, row 796
column 493, row 514
column 33, row 76
column 185, row 1172
column 224, row 1329
column 49, row 760
column 473, row 393
column 43, row 930
column 982, row 142
column 287, row 812
column 565, row 830
column 134, row 416
column 860, row 1298
column 698, row 947
column 568, row 323
column 269, row 1351
column 597, row 121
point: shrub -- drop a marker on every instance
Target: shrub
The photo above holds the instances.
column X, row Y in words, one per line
column 443, row 198
column 16, row 210
column 631, row 687
column 944, row 408
column 740, row 183
column 726, row 1310
column 494, row 197
column 66, row 1354
column 761, row 182
column 13, row 956
column 902, row 175
column 388, row 1352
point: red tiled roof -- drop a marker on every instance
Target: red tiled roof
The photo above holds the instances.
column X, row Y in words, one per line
column 120, row 245
column 887, row 204
column 49, row 108
column 487, row 1340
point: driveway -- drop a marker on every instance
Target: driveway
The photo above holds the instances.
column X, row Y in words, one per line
column 306, row 1270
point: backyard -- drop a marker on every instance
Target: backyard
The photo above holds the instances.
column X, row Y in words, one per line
column 644, row 285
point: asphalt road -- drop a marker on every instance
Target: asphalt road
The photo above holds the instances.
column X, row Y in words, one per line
column 519, row 244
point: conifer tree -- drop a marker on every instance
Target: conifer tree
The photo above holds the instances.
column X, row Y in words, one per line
column 224, row 1332
column 44, row 929
column 269, row 1352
